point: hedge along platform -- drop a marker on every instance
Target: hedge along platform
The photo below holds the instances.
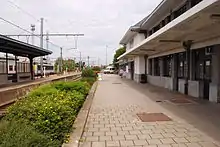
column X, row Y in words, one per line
column 10, row 94
column 81, row 119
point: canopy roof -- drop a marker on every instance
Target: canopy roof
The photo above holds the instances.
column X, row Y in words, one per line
column 19, row 48
column 199, row 24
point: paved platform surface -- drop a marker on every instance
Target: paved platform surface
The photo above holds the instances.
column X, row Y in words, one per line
column 113, row 121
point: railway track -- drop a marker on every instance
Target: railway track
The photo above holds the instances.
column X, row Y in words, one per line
column 3, row 109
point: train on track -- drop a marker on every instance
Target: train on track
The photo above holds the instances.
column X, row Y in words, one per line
column 48, row 69
column 24, row 67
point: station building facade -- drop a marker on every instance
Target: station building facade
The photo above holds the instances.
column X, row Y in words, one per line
column 177, row 47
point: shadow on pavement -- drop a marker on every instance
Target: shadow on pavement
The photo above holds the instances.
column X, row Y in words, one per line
column 202, row 114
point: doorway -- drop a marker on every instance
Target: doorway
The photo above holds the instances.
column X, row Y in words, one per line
column 203, row 70
column 132, row 70
column 207, row 78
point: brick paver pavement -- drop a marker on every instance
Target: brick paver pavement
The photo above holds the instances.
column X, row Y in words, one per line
column 113, row 122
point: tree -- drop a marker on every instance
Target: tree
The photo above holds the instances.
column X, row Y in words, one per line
column 68, row 65
column 118, row 53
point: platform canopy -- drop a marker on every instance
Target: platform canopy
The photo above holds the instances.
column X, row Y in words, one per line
column 200, row 24
column 19, row 48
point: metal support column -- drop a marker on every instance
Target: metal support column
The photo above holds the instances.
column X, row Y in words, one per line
column 16, row 69
column 6, row 57
column 61, row 60
column 187, row 46
column 145, row 71
column 31, row 68
column 145, row 64
column 41, row 45
column 174, row 76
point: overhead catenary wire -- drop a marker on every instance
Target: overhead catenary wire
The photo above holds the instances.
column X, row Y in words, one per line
column 24, row 11
column 19, row 27
column 33, row 17
column 27, row 13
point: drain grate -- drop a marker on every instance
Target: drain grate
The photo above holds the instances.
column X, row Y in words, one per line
column 116, row 83
column 180, row 101
column 153, row 117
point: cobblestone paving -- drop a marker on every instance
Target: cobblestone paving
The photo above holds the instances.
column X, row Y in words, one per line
column 117, row 125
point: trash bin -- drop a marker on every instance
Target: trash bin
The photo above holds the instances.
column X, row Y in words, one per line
column 143, row 78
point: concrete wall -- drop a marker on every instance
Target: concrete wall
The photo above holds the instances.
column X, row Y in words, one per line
column 194, row 88
column 128, row 46
column 20, row 75
column 3, row 79
column 139, row 67
column 128, row 73
column 181, row 85
column 165, row 82
column 137, row 39
column 213, row 92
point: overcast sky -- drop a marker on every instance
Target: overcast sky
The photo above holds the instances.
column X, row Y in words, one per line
column 104, row 22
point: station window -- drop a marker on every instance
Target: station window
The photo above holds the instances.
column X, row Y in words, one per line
column 182, row 65
column 203, row 63
column 180, row 11
column 10, row 67
column 168, row 19
column 195, row 2
column 150, row 67
column 156, row 67
column 167, row 66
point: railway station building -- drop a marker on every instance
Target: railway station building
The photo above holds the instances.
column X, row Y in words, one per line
column 177, row 47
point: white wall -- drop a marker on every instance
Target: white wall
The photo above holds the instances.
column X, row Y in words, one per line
column 139, row 65
column 165, row 82
column 3, row 79
column 128, row 46
column 137, row 39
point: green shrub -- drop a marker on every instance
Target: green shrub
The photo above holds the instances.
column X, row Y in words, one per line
column 82, row 87
column 51, row 109
column 89, row 80
column 47, row 89
column 52, row 115
column 88, row 72
column 20, row 134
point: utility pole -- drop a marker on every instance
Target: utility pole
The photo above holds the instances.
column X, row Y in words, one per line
column 80, row 61
column 47, row 39
column 88, row 61
column 41, row 44
column 61, row 59
column 106, row 54
column 32, row 36
column 47, row 44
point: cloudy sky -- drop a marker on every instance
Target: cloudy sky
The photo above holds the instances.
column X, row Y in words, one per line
column 104, row 22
